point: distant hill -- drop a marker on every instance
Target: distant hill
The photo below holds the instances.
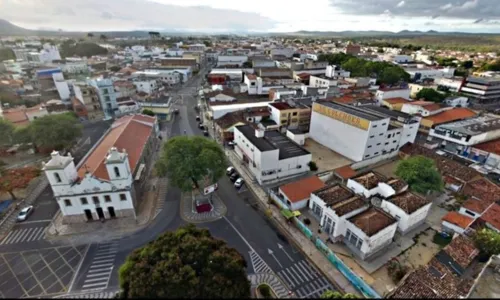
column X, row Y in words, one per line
column 372, row 33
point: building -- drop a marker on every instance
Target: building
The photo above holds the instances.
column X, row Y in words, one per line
column 423, row 73
column 109, row 182
column 292, row 113
column 396, row 92
column 296, row 194
column 231, row 61
column 87, row 104
column 179, row 63
column 233, row 75
column 409, row 209
column 322, row 81
column 353, row 49
column 270, row 155
column 283, row 51
column 224, row 126
column 124, row 88
column 446, row 116
column 148, row 86
column 107, row 96
column 395, row 103
column 423, row 108
column 360, row 133
column 336, row 72
column 457, row 101
column 482, row 90
column 22, row 116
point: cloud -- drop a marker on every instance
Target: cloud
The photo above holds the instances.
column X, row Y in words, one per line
column 478, row 21
column 463, row 9
column 127, row 15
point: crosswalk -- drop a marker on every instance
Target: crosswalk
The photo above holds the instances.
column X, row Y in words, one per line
column 99, row 273
column 305, row 280
column 162, row 191
column 258, row 264
column 24, row 235
column 94, row 295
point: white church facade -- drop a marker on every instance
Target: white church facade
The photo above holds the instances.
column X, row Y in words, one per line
column 110, row 181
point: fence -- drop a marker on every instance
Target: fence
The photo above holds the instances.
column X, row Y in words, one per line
column 277, row 199
column 355, row 280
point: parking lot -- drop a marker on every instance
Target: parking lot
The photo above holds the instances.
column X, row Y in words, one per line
column 37, row 273
column 325, row 158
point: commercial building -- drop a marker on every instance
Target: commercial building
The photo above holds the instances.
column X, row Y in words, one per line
column 482, row 90
column 270, row 155
column 231, row 60
column 179, row 63
column 395, row 92
column 360, row 133
column 109, row 182
column 107, row 96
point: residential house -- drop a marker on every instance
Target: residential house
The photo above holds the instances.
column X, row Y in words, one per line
column 423, row 108
column 109, row 182
column 87, row 104
column 124, row 88
column 224, row 126
column 409, row 209
column 446, row 116
column 296, row 194
column 292, row 114
column 395, row 103
column 394, row 92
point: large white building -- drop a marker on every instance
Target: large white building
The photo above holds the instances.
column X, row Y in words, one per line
column 360, row 133
column 270, row 155
column 109, row 182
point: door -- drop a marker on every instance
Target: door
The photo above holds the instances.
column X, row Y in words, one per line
column 111, row 211
column 88, row 214
column 100, row 213
column 329, row 224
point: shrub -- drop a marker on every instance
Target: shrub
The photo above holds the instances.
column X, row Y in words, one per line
column 265, row 291
column 312, row 166
column 397, row 271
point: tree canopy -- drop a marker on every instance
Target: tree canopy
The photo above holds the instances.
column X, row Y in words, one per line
column 430, row 95
column 420, row 173
column 488, row 241
column 70, row 48
column 191, row 160
column 148, row 112
column 13, row 179
column 186, row 263
column 7, row 130
column 54, row 132
column 6, row 54
column 328, row 294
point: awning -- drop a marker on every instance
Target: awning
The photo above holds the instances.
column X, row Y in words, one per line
column 287, row 213
column 296, row 213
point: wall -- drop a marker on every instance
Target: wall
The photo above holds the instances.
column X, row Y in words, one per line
column 450, row 228
column 320, row 82
column 375, row 243
column 367, row 162
column 406, row 222
column 382, row 95
column 343, row 138
column 473, row 215
column 224, row 60
column 78, row 208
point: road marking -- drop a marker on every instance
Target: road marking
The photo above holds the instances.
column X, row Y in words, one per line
column 307, row 273
column 78, row 269
column 296, row 273
column 296, row 282
column 96, row 274
column 241, row 236
column 37, row 221
column 313, row 292
column 93, row 284
column 99, row 270
column 7, row 237
column 100, row 265
column 290, row 282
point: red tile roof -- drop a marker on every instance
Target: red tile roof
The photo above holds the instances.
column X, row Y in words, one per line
column 372, row 220
column 346, row 172
column 482, row 189
column 301, row 189
column 462, row 250
column 130, row 133
column 492, row 216
column 458, row 219
column 476, row 205
column 449, row 115
column 409, row 202
column 491, row 146
column 397, row 100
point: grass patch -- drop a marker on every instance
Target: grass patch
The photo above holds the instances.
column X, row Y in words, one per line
column 265, row 291
column 440, row 240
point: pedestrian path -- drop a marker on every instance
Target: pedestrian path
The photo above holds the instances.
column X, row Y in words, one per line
column 278, row 287
column 94, row 295
column 162, row 185
column 24, row 235
column 189, row 214
column 99, row 273
column 305, row 280
column 258, row 264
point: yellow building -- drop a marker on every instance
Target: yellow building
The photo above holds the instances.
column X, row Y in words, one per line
column 291, row 114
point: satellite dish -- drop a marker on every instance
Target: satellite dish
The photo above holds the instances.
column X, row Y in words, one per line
column 376, row 201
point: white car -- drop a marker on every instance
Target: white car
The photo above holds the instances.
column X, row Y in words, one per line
column 24, row 213
column 239, row 182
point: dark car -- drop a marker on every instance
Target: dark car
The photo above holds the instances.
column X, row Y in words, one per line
column 200, row 125
column 205, row 133
column 198, row 118
column 234, row 176
column 176, row 111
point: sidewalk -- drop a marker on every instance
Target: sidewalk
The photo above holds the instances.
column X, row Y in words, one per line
column 302, row 242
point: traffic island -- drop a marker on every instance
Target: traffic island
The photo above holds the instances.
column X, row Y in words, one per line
column 264, row 291
column 196, row 208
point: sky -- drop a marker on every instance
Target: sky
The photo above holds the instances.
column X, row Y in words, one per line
column 255, row 15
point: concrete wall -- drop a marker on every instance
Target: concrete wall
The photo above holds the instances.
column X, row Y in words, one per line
column 406, row 222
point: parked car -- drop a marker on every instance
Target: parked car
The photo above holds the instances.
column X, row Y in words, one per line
column 198, row 118
column 234, row 176
column 230, row 171
column 231, row 144
column 239, row 182
column 176, row 111
column 205, row 132
column 200, row 125
column 25, row 213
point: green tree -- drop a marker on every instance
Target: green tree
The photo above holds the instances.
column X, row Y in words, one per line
column 115, row 68
column 337, row 295
column 430, row 95
column 191, row 160
column 7, row 130
column 207, row 43
column 392, row 75
column 186, row 263
column 148, row 112
column 103, row 37
column 90, row 35
column 82, row 49
column 420, row 173
column 468, row 64
column 55, row 132
column 488, row 241
column 6, row 54
column 335, row 58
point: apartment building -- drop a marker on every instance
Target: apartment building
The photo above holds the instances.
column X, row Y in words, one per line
column 292, row 113
column 482, row 90
column 179, row 63
column 107, row 96
column 88, row 104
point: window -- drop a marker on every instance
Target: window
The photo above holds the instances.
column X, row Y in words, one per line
column 376, row 153
column 106, row 98
column 117, row 172
column 383, row 124
column 388, row 136
column 67, row 202
column 470, row 213
column 381, row 134
column 368, row 155
column 408, row 135
column 353, row 239
column 107, row 198
column 369, row 146
column 386, row 143
column 123, row 197
column 294, row 114
column 372, row 136
column 317, row 210
column 378, row 144
column 95, row 199
column 394, row 142
column 374, row 126
column 83, row 200
column 58, row 178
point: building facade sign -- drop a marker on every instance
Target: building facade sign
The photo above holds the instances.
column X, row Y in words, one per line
column 341, row 116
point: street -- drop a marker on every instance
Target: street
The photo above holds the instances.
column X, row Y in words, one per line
column 33, row 267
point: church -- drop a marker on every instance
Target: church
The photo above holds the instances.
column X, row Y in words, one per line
column 110, row 181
